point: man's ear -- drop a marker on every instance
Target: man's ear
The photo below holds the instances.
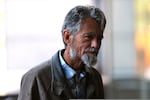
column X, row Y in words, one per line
column 67, row 37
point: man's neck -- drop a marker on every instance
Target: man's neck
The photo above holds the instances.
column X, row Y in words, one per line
column 75, row 63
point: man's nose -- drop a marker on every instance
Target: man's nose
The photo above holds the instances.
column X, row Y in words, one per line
column 95, row 43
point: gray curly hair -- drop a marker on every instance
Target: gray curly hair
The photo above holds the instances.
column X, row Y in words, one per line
column 76, row 15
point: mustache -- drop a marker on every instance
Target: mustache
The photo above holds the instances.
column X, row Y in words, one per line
column 92, row 50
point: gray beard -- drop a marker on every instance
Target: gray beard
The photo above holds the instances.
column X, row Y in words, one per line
column 88, row 59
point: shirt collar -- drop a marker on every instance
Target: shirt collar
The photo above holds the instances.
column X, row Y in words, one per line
column 69, row 72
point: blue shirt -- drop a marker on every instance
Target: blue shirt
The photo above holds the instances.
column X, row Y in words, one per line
column 69, row 72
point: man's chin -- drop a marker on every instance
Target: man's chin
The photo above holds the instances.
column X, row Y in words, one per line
column 91, row 65
column 89, row 60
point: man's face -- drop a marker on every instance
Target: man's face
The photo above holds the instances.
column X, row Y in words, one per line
column 86, row 43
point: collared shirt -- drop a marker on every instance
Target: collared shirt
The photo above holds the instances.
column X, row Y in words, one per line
column 69, row 72
column 78, row 86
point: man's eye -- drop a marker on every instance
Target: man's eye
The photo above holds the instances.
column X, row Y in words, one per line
column 88, row 37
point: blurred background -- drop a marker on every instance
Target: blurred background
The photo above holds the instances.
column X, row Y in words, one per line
column 30, row 33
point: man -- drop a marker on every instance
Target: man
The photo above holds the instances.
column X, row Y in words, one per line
column 69, row 73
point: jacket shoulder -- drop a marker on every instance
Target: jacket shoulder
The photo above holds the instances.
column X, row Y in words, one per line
column 40, row 69
column 41, row 74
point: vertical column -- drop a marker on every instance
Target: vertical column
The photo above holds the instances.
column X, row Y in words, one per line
column 2, row 36
column 142, row 43
column 123, row 39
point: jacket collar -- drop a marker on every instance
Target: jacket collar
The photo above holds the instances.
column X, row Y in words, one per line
column 59, row 83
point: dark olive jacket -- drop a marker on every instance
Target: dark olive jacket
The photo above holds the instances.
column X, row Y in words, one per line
column 47, row 82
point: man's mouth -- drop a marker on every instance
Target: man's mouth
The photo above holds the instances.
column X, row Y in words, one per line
column 92, row 53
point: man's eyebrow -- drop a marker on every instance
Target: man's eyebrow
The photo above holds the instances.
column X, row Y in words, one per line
column 88, row 33
column 101, row 36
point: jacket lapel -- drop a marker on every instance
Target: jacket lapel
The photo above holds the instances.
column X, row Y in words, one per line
column 90, row 83
column 59, row 83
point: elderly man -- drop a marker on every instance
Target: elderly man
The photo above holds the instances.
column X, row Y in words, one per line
column 69, row 73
